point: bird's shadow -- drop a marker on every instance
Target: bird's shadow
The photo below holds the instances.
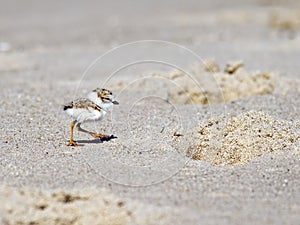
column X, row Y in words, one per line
column 96, row 141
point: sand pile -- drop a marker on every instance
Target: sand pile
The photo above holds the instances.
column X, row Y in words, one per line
column 242, row 138
column 73, row 207
column 207, row 84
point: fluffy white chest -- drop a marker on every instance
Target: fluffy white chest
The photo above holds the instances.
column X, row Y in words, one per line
column 82, row 115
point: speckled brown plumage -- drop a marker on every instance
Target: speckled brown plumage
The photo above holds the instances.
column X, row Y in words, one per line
column 82, row 103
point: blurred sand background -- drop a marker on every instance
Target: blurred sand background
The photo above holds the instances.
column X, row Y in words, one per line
column 221, row 148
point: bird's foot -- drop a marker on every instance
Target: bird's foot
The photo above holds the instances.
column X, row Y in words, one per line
column 72, row 143
column 101, row 136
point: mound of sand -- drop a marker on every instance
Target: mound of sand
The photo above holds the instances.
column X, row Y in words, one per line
column 243, row 138
column 206, row 84
column 73, row 207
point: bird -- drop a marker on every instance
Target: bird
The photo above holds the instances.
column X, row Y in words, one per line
column 92, row 108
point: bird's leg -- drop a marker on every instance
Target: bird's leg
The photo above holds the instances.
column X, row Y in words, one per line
column 72, row 142
column 78, row 127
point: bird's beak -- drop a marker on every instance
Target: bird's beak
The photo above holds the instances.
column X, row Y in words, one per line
column 115, row 103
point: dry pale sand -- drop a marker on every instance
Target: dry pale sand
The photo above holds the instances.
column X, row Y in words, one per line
column 243, row 138
column 213, row 139
column 91, row 206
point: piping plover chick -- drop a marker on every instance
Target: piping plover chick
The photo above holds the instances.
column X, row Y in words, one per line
column 94, row 107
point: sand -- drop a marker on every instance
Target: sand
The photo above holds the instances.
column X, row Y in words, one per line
column 203, row 83
column 90, row 206
column 243, row 138
column 204, row 138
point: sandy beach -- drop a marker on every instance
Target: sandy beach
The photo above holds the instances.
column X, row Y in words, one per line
column 208, row 126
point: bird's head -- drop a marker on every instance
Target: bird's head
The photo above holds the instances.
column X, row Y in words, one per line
column 102, row 97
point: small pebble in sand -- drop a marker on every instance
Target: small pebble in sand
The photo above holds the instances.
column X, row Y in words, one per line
column 233, row 67
column 211, row 66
